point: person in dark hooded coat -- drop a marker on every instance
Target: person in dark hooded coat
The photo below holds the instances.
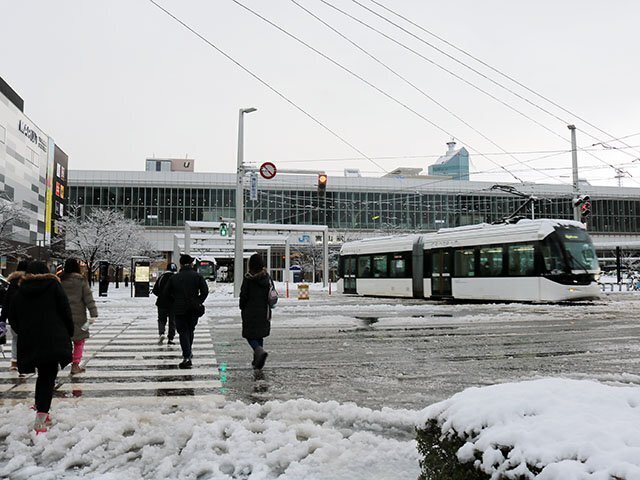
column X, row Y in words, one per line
column 256, row 312
column 41, row 315
column 14, row 280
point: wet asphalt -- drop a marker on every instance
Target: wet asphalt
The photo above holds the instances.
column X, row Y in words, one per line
column 411, row 353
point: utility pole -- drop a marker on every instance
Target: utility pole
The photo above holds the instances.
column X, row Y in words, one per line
column 238, row 263
column 574, row 165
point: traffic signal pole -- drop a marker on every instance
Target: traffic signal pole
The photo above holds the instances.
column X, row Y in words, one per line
column 574, row 165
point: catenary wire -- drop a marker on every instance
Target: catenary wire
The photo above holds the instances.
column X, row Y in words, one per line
column 359, row 77
column 517, row 82
column 471, row 84
column 404, row 79
column 264, row 83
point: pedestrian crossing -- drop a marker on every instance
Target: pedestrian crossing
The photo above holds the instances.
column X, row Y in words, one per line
column 124, row 361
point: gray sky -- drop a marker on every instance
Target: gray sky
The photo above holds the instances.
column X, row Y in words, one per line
column 116, row 81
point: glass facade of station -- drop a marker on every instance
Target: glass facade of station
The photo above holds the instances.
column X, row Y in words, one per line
column 342, row 210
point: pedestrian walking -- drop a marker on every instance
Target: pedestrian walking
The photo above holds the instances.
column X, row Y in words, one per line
column 41, row 315
column 14, row 280
column 80, row 299
column 187, row 291
column 165, row 313
column 255, row 309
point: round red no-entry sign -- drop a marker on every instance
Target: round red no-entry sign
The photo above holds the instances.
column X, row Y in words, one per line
column 268, row 170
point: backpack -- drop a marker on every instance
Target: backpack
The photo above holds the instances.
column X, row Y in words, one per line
column 272, row 296
column 159, row 285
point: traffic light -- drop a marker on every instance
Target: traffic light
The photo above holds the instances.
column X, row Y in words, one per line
column 585, row 206
column 322, row 182
column 224, row 230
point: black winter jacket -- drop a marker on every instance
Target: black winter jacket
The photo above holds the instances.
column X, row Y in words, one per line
column 41, row 316
column 254, row 305
column 158, row 290
column 185, row 287
column 14, row 280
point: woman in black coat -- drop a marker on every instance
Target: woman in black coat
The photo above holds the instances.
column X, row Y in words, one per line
column 256, row 312
column 41, row 315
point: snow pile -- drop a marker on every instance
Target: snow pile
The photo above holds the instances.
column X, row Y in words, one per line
column 292, row 440
column 563, row 429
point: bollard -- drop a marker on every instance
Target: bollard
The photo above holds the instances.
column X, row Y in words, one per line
column 303, row 291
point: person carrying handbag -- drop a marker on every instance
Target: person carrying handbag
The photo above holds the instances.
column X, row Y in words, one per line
column 255, row 309
column 186, row 292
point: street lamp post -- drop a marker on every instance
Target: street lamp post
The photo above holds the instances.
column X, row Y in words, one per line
column 238, row 264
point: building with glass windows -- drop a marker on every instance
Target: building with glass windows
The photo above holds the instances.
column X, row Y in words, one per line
column 352, row 207
column 33, row 176
column 454, row 163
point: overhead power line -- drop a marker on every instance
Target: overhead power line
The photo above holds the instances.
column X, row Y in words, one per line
column 501, row 73
column 553, row 132
column 263, row 82
column 359, row 77
column 408, row 82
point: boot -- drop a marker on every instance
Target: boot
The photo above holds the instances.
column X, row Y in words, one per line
column 259, row 357
column 42, row 422
column 76, row 369
column 14, row 365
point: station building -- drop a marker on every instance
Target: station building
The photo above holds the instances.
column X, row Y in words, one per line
column 352, row 206
column 33, row 176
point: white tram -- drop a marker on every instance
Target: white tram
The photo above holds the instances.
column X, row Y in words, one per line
column 530, row 261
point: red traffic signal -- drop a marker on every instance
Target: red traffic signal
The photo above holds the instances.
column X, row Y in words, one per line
column 585, row 208
column 322, row 182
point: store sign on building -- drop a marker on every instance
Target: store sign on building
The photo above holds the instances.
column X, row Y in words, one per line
column 31, row 134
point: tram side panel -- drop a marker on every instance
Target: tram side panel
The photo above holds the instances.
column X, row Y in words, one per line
column 523, row 289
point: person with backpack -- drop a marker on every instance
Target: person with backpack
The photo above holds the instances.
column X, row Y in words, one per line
column 41, row 315
column 164, row 306
column 187, row 291
column 255, row 308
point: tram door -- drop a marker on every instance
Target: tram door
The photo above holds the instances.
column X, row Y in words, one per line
column 441, row 268
column 349, row 275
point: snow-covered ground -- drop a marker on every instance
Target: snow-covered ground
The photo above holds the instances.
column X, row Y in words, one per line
column 570, row 429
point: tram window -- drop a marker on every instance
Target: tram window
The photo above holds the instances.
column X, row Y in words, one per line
column 521, row 260
column 491, row 261
column 426, row 268
column 399, row 266
column 465, row 262
column 380, row 266
column 552, row 254
column 364, row 266
column 582, row 255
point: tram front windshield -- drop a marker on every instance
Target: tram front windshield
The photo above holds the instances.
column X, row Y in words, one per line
column 580, row 252
column 207, row 269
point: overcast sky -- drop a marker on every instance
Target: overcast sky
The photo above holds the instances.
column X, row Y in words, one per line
column 117, row 81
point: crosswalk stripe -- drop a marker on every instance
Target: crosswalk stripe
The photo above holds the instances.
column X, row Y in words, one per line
column 125, row 362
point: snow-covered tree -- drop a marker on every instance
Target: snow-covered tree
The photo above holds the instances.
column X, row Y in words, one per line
column 105, row 235
column 10, row 215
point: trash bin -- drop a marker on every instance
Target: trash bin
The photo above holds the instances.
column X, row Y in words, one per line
column 303, row 291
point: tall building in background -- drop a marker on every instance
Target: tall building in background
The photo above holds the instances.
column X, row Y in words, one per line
column 454, row 163
column 169, row 165
column 33, row 174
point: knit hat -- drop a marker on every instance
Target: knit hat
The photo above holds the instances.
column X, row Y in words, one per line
column 186, row 259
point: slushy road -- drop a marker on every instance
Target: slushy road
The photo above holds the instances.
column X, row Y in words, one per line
column 409, row 353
